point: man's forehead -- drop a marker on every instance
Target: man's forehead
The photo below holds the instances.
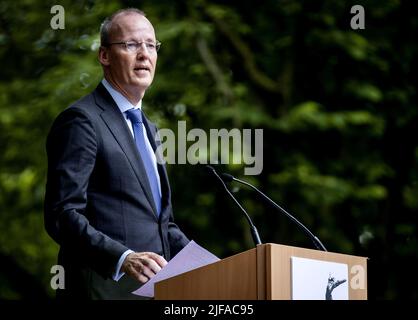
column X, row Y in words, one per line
column 131, row 23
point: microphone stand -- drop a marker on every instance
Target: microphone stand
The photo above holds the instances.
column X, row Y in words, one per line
column 254, row 232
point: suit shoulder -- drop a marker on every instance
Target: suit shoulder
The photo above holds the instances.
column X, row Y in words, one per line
column 84, row 108
column 85, row 105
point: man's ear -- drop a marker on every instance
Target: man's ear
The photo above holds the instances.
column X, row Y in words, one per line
column 104, row 56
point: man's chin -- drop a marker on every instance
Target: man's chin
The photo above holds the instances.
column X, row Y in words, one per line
column 141, row 86
column 142, row 82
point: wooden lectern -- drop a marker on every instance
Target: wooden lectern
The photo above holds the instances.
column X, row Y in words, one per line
column 261, row 273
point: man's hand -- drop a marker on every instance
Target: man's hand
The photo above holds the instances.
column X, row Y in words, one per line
column 142, row 266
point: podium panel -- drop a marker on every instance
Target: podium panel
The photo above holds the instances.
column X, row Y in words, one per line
column 262, row 273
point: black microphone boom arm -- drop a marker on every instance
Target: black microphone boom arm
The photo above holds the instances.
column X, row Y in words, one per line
column 318, row 244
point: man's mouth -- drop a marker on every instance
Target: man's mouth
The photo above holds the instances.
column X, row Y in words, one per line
column 141, row 69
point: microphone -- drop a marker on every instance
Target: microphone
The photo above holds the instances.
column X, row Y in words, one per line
column 254, row 232
column 318, row 244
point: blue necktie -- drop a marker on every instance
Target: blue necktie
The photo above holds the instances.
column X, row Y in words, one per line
column 135, row 115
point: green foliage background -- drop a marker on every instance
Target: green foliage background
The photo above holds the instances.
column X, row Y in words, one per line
column 338, row 108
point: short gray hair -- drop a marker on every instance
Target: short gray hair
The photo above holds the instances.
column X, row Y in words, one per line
column 107, row 24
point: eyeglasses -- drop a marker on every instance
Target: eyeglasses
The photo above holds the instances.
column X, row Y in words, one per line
column 133, row 46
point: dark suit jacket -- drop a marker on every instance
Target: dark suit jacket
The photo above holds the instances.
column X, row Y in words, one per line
column 98, row 201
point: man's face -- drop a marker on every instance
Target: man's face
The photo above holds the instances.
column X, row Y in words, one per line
column 131, row 72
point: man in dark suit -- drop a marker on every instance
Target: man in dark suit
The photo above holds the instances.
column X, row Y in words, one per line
column 107, row 201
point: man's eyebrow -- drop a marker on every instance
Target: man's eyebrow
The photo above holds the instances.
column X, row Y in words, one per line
column 149, row 39
column 146, row 39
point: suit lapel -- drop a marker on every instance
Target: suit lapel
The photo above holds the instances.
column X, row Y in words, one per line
column 116, row 123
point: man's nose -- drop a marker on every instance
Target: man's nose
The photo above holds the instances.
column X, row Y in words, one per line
column 142, row 51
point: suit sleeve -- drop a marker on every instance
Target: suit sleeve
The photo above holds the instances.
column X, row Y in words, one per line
column 71, row 150
column 176, row 238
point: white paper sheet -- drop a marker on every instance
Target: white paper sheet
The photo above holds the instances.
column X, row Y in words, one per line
column 319, row 280
column 192, row 256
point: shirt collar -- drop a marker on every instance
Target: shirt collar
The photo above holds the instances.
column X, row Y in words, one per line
column 122, row 103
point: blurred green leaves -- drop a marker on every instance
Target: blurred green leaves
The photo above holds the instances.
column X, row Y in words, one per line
column 311, row 115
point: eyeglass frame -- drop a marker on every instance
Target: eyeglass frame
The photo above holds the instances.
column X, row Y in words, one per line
column 157, row 45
